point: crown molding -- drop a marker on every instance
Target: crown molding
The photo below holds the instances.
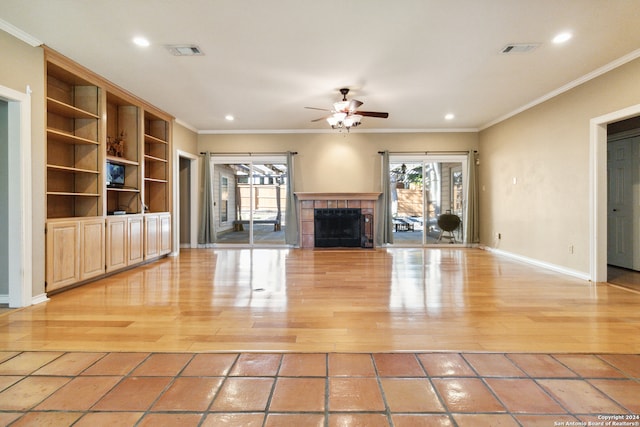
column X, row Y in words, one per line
column 19, row 34
column 587, row 77
column 186, row 125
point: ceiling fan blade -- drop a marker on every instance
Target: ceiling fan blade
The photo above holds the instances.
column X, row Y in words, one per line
column 314, row 108
column 377, row 114
column 353, row 104
column 321, row 118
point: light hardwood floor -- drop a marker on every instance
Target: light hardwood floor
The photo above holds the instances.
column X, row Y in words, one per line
column 441, row 299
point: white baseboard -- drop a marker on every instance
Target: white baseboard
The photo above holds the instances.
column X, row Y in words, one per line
column 4, row 299
column 39, row 299
column 553, row 267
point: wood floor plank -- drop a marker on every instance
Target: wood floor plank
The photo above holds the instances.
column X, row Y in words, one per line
column 441, row 299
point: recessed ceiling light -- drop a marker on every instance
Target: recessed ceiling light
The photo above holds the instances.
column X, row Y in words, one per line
column 229, row 118
column 141, row 41
column 562, row 37
column 449, row 116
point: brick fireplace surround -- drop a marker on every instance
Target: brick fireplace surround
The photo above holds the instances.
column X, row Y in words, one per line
column 310, row 201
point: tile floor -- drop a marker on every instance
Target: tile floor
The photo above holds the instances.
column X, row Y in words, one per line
column 256, row 389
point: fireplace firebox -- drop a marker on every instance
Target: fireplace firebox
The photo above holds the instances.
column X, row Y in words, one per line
column 340, row 227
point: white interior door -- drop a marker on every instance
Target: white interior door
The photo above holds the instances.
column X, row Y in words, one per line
column 620, row 204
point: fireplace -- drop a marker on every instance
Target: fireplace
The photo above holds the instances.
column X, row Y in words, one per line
column 338, row 227
column 310, row 202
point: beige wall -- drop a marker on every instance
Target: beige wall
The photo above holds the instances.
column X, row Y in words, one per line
column 23, row 65
column 546, row 149
column 184, row 139
column 338, row 162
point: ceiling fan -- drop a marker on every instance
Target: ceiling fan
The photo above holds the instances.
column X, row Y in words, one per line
column 345, row 113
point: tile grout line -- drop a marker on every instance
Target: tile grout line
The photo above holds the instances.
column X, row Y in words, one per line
column 327, row 410
column 272, row 392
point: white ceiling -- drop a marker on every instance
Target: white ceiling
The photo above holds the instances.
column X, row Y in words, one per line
column 266, row 60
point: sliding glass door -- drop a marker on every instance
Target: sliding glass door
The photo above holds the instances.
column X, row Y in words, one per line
column 250, row 200
column 427, row 199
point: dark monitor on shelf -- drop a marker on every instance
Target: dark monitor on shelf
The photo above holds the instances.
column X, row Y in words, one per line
column 115, row 175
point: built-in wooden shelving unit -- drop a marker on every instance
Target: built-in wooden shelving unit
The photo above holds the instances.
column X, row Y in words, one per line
column 92, row 123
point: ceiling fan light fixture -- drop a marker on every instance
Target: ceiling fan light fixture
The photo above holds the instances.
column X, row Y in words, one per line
column 352, row 120
column 341, row 105
column 333, row 121
column 345, row 114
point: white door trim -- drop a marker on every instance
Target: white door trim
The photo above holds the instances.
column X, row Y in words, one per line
column 598, row 189
column 20, row 197
column 193, row 238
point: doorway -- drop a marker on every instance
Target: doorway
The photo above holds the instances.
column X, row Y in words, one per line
column 15, row 198
column 598, row 189
column 185, row 203
column 427, row 199
column 250, row 198
column 623, row 203
column 4, row 202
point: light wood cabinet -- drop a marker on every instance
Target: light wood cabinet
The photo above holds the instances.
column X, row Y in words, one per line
column 63, row 254
column 135, row 226
column 151, row 236
column 165, row 234
column 117, row 237
column 91, row 123
column 75, row 251
column 92, row 248
column 157, row 229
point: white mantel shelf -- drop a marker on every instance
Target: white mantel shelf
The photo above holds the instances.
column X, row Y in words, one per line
column 336, row 196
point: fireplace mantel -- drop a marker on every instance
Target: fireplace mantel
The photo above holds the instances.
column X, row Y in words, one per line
column 308, row 201
column 336, row 196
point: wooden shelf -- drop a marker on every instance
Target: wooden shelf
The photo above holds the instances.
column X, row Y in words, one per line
column 155, row 180
column 63, row 109
column 71, row 169
column 123, row 190
column 121, row 160
column 154, row 159
column 69, row 138
column 153, row 140
column 65, row 193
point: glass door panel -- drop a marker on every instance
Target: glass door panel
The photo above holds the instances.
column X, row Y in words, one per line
column 407, row 195
column 268, row 196
column 448, row 203
column 250, row 201
column 232, row 209
column 427, row 197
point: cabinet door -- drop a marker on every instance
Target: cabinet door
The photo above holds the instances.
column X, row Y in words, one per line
column 165, row 234
column 63, row 254
column 116, row 243
column 135, row 252
column 151, row 236
column 91, row 248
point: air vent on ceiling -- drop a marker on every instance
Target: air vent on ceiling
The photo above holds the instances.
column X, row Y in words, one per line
column 185, row 50
column 519, row 47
